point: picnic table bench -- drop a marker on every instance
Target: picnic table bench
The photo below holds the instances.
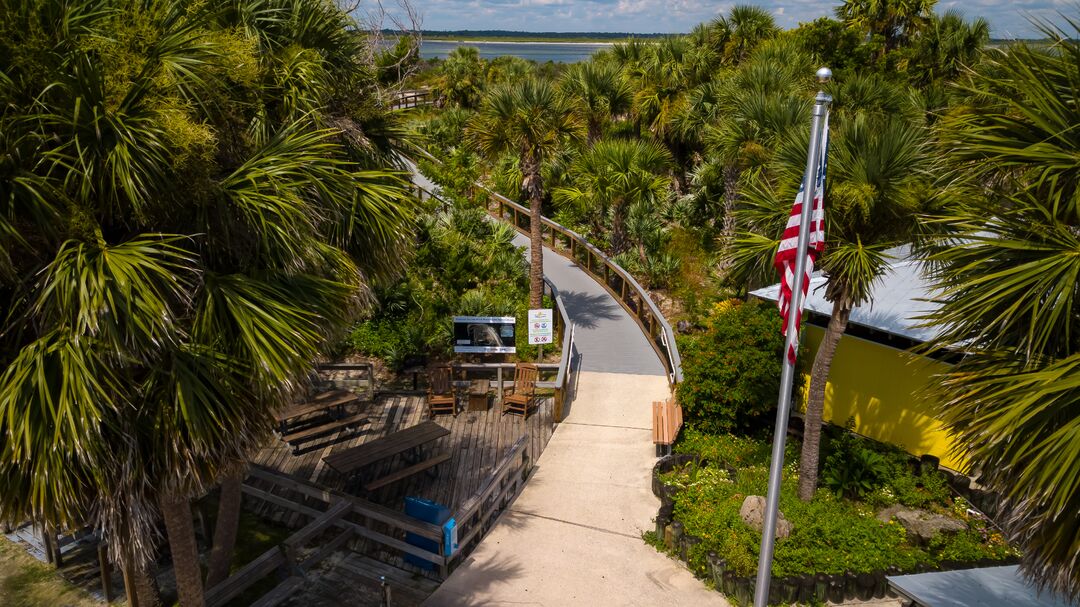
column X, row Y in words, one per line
column 333, row 402
column 410, row 439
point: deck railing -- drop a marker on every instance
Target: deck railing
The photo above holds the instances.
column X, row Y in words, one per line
column 414, row 98
column 478, row 513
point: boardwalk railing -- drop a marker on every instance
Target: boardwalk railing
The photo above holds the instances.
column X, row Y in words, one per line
column 415, row 98
column 392, row 524
column 478, row 513
column 622, row 286
column 371, row 521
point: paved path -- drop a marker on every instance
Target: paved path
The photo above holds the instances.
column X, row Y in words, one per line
column 573, row 536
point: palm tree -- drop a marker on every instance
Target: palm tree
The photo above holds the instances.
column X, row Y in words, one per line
column 947, row 45
column 186, row 238
column 531, row 119
column 895, row 21
column 612, row 176
column 876, row 183
column 749, row 26
column 461, row 81
column 1006, row 270
column 597, row 92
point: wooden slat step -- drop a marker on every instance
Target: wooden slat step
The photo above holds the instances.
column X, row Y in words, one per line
column 280, row 593
column 330, row 427
column 407, row 472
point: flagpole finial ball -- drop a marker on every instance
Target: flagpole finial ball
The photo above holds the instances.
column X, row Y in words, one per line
column 824, row 75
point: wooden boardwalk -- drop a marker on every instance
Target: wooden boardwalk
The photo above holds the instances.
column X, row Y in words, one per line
column 476, row 442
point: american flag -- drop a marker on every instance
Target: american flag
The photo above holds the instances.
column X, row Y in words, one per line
column 789, row 244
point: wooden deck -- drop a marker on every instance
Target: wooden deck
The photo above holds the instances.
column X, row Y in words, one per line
column 476, row 442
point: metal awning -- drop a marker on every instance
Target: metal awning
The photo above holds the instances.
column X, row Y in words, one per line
column 986, row 587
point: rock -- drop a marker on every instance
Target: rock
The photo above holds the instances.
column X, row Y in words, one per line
column 921, row 525
column 753, row 514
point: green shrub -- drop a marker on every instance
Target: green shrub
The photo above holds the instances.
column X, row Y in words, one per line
column 732, row 369
column 830, row 534
column 854, row 469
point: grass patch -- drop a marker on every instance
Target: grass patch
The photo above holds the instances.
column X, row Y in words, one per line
column 254, row 537
column 27, row 582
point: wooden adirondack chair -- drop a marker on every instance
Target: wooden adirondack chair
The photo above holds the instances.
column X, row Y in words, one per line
column 523, row 395
column 441, row 397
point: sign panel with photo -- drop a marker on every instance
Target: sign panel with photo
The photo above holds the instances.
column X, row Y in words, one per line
column 484, row 334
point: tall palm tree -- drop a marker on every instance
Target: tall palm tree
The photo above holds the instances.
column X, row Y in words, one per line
column 749, row 26
column 531, row 119
column 597, row 92
column 876, row 186
column 1006, row 270
column 895, row 21
column 947, row 45
column 611, row 177
column 189, row 238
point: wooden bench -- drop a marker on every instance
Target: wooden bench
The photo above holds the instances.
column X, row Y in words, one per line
column 393, row 477
column 667, row 420
column 301, row 436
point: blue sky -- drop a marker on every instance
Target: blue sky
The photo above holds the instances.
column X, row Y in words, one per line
column 1007, row 17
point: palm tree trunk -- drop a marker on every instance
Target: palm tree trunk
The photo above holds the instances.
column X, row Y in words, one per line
column 185, row 554
column 228, row 521
column 815, row 403
column 731, row 196
column 533, row 186
column 140, row 585
column 618, row 226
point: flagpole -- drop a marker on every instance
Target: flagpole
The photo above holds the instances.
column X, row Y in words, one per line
column 783, row 405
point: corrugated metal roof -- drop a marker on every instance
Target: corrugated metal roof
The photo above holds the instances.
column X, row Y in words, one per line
column 894, row 306
column 986, row 587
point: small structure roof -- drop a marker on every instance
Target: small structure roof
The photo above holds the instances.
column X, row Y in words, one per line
column 986, row 587
column 896, row 302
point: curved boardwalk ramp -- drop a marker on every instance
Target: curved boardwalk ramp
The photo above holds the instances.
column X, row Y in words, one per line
column 573, row 536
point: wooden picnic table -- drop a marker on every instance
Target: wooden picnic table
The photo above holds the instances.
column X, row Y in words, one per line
column 321, row 402
column 350, row 460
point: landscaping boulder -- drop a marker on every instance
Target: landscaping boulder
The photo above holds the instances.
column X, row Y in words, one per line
column 753, row 514
column 921, row 525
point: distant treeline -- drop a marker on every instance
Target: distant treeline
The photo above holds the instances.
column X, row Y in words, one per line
column 531, row 35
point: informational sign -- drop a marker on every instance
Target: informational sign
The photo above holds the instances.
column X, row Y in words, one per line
column 484, row 334
column 541, row 326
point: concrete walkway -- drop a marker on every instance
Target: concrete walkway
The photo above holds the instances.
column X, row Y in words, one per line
column 573, row 536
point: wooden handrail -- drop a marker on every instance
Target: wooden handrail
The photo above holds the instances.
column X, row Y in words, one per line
column 654, row 325
column 513, row 462
column 648, row 317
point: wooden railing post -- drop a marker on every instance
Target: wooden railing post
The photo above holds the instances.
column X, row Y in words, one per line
column 103, row 567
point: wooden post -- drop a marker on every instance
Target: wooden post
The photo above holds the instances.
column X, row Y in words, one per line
column 623, row 288
column 558, row 404
column 129, row 585
column 103, row 567
column 499, row 389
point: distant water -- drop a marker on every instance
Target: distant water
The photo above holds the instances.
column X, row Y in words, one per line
column 559, row 52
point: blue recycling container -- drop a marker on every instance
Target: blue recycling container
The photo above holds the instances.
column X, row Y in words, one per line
column 429, row 512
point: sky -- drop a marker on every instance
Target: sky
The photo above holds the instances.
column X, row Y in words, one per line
column 1008, row 18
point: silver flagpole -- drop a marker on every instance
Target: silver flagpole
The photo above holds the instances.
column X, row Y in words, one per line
column 783, row 405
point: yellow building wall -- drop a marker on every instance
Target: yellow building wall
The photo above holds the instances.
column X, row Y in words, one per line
column 881, row 387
